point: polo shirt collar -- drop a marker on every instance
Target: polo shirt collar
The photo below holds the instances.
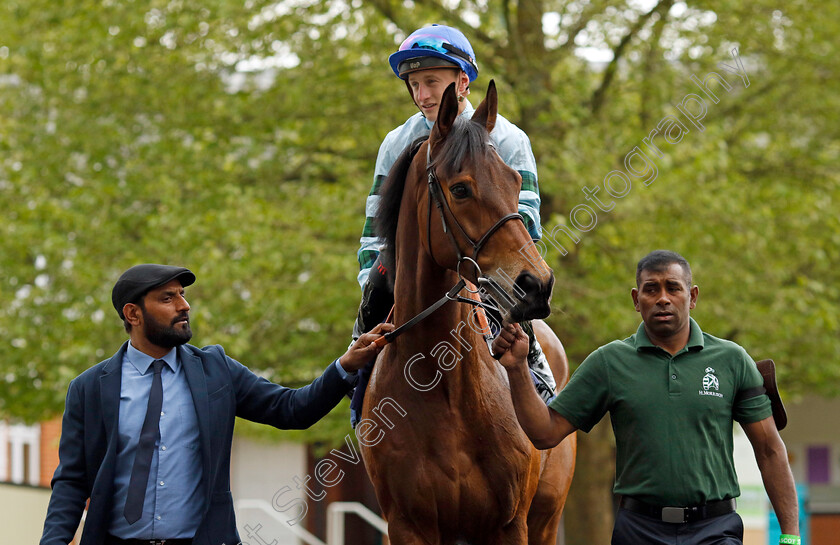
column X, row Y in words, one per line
column 695, row 337
column 142, row 361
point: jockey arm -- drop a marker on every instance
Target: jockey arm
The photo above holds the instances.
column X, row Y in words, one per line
column 529, row 203
column 515, row 150
column 369, row 243
column 545, row 427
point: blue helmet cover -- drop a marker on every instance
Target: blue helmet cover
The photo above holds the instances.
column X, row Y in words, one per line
column 437, row 41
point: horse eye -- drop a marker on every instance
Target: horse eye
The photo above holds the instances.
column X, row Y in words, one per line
column 460, row 191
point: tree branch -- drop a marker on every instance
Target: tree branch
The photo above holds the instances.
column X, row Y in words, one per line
column 661, row 8
column 650, row 64
column 586, row 16
column 507, row 13
column 459, row 22
column 387, row 9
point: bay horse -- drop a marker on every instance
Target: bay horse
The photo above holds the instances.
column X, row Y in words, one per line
column 450, row 463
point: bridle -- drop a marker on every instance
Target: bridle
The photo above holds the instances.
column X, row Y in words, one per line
column 436, row 197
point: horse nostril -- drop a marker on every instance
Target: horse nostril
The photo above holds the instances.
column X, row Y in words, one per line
column 534, row 296
column 528, row 283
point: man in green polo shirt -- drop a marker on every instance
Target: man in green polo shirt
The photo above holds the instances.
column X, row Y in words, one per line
column 672, row 392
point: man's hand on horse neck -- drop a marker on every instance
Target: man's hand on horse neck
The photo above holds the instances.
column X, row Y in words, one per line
column 545, row 427
column 364, row 349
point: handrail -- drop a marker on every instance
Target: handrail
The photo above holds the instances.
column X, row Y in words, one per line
column 264, row 506
column 335, row 519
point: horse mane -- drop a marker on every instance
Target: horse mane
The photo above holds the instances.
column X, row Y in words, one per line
column 388, row 210
column 466, row 139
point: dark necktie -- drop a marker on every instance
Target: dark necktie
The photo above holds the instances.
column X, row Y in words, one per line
column 145, row 449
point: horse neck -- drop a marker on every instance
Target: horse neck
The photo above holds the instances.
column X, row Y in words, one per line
column 419, row 284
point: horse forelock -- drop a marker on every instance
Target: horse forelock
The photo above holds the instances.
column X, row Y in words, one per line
column 390, row 197
column 466, row 140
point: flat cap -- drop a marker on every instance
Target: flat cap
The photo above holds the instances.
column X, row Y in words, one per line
column 141, row 279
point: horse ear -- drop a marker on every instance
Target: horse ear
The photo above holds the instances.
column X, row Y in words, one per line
column 447, row 113
column 485, row 114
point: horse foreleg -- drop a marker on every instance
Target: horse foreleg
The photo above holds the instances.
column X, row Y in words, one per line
column 552, row 491
column 543, row 520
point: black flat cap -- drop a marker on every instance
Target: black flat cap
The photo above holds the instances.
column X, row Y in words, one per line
column 141, row 279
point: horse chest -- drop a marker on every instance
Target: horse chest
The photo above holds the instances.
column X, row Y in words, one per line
column 473, row 471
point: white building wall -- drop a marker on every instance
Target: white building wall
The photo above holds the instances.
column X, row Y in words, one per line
column 264, row 481
column 20, row 453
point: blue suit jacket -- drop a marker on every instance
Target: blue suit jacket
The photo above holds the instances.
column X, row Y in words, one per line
column 222, row 389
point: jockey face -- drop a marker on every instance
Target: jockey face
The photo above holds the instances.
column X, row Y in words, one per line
column 427, row 87
column 664, row 299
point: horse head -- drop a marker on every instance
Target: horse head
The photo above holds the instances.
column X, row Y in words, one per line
column 476, row 229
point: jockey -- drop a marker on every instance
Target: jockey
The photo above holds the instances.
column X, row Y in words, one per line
column 428, row 61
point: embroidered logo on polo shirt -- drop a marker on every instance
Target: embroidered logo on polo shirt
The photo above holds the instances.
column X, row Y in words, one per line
column 711, row 384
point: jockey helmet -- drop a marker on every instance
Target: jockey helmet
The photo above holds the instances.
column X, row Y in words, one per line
column 435, row 46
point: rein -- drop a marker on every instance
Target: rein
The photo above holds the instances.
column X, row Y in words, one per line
column 436, row 196
column 451, row 295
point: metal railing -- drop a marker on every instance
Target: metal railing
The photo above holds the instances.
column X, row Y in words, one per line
column 335, row 520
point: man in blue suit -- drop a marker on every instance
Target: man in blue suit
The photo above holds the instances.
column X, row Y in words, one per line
column 146, row 434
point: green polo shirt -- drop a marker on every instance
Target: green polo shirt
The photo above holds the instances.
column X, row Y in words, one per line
column 672, row 415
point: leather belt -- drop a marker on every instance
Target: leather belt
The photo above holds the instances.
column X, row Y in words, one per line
column 112, row 540
column 679, row 515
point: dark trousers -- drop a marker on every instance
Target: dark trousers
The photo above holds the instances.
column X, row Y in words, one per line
column 636, row 529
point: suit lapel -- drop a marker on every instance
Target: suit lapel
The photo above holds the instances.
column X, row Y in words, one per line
column 194, row 369
column 109, row 392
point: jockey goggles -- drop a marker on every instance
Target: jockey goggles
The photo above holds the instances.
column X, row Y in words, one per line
column 430, row 48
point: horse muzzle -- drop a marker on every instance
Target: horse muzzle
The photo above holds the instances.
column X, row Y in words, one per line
column 529, row 298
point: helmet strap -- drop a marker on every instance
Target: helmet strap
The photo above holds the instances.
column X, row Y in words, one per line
column 411, row 94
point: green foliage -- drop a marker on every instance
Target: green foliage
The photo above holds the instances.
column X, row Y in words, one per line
column 238, row 139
